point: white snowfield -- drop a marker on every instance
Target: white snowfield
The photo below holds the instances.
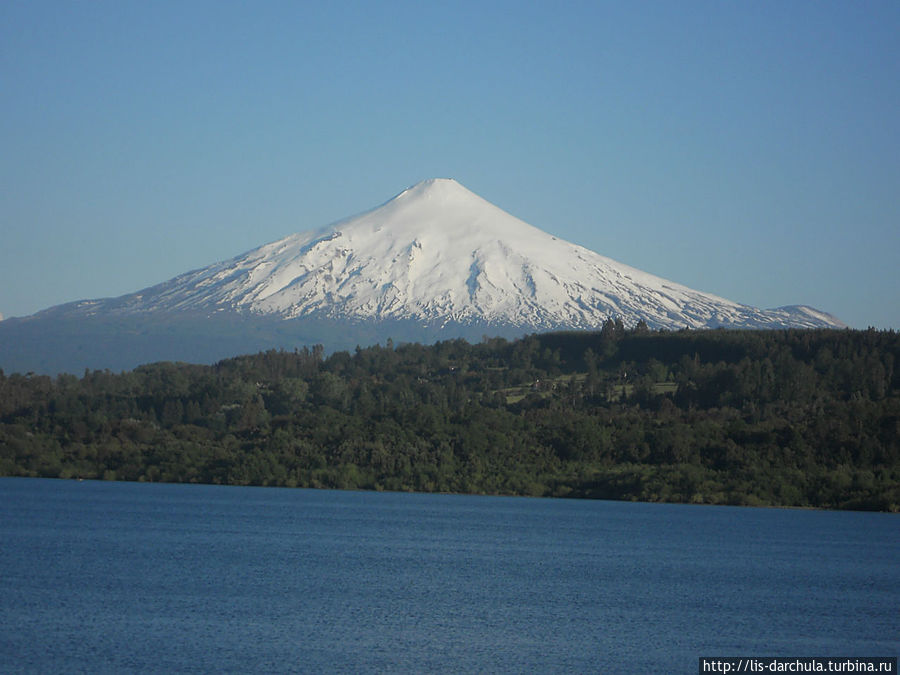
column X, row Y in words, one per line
column 440, row 254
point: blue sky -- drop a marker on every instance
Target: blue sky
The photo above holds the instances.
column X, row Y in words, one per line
column 750, row 150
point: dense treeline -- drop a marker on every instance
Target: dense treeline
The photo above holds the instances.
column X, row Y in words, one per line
column 796, row 418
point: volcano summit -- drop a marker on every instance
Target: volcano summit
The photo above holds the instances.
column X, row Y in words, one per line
column 436, row 257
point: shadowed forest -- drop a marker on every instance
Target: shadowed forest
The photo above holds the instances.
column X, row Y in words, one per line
column 775, row 418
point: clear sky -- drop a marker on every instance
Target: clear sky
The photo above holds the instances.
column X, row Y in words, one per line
column 748, row 149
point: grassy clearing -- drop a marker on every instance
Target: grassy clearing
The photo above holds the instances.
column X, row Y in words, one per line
column 545, row 388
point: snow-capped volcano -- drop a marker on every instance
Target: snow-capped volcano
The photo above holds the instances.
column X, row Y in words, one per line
column 440, row 254
column 436, row 262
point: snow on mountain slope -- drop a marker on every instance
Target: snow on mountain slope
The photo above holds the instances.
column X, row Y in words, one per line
column 439, row 254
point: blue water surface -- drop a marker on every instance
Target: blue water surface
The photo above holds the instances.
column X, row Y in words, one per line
column 132, row 577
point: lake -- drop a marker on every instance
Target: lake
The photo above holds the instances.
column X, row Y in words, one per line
column 136, row 577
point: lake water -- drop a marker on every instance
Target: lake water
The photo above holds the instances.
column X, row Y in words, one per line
column 103, row 576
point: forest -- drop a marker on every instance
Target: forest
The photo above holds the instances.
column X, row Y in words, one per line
column 800, row 418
